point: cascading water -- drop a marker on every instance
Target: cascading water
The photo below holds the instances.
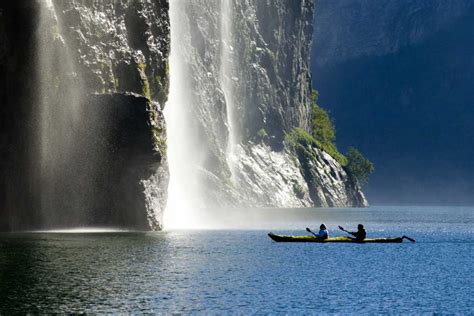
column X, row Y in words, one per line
column 191, row 144
column 239, row 81
column 59, row 118
column 227, row 79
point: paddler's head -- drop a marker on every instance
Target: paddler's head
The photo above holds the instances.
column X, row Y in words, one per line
column 322, row 226
column 360, row 227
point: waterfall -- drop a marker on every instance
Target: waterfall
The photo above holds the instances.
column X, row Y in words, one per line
column 64, row 178
column 227, row 79
column 183, row 152
column 197, row 150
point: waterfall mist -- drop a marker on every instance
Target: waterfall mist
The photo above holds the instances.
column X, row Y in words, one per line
column 59, row 116
column 68, row 161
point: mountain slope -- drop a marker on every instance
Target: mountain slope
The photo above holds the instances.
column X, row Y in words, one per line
column 407, row 102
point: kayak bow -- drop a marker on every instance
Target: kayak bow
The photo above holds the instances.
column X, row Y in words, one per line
column 283, row 238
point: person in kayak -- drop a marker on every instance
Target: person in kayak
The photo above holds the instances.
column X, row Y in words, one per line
column 360, row 234
column 323, row 232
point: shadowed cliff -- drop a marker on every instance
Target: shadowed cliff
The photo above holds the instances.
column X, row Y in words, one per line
column 402, row 92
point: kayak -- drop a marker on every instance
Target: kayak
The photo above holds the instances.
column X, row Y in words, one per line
column 283, row 238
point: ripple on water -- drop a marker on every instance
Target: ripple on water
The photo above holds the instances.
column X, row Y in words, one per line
column 224, row 271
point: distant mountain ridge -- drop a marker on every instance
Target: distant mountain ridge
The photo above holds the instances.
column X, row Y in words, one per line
column 397, row 77
column 347, row 29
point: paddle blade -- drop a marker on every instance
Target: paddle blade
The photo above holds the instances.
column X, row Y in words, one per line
column 341, row 228
column 308, row 230
column 410, row 239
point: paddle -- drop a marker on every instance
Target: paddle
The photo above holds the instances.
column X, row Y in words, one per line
column 309, row 231
column 342, row 228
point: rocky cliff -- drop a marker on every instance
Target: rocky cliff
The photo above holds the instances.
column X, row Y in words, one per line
column 91, row 60
column 248, row 85
column 89, row 80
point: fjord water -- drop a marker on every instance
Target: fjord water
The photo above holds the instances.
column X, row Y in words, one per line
column 221, row 271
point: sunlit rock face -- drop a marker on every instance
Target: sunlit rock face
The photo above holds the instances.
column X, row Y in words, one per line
column 118, row 45
column 243, row 69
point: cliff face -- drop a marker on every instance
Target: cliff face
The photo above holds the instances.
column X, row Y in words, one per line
column 248, row 84
column 397, row 78
column 79, row 61
column 118, row 48
column 90, row 79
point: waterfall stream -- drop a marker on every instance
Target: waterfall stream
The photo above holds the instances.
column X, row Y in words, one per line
column 192, row 143
column 226, row 79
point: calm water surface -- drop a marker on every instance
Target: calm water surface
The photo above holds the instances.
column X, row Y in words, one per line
column 221, row 271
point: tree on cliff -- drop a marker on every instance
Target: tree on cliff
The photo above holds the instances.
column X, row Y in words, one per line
column 358, row 166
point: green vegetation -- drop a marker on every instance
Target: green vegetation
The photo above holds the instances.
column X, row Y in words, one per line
column 299, row 137
column 145, row 84
column 262, row 134
column 146, row 89
column 322, row 126
column 323, row 136
column 323, row 130
column 359, row 166
column 300, row 140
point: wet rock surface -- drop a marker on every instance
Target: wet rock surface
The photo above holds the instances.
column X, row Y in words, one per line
column 127, row 128
column 119, row 46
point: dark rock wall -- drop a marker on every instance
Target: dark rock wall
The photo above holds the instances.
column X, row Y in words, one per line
column 128, row 157
column 397, row 77
column 17, row 78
